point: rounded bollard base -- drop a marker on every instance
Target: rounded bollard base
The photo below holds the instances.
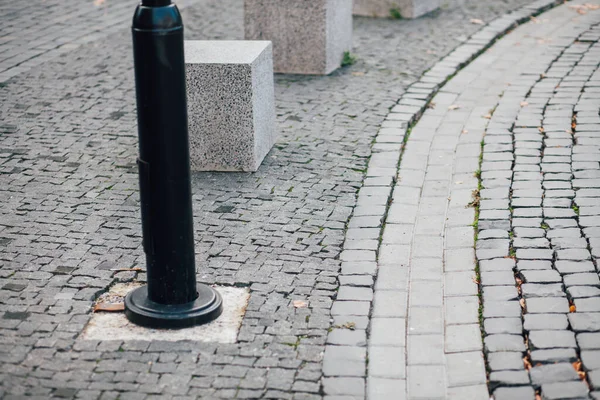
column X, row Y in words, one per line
column 140, row 310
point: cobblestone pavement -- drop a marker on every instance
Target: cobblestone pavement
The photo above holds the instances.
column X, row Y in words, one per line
column 36, row 31
column 539, row 218
column 69, row 213
column 428, row 344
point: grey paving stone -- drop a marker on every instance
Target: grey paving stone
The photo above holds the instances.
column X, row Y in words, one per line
column 500, row 293
column 530, row 243
column 587, row 305
column 562, row 372
column 588, row 341
column 425, row 320
column 503, row 325
column 357, row 308
column 497, row 264
column 534, row 254
column 395, row 255
column 564, row 390
column 426, row 293
column 566, row 243
column 514, row 393
column 426, row 269
column 583, row 279
column 390, row 304
column 497, row 278
column 505, row 361
column 344, row 386
column 591, row 359
column 359, row 268
column 508, row 378
column 462, row 310
column 498, row 309
column 383, row 388
column 388, row 332
column 542, row 290
column 571, row 267
column 347, row 337
column 465, row 369
column 387, row 362
column 426, row 349
column 463, row 338
column 523, row 265
column 468, row 392
column 459, row 284
column 544, row 305
column 491, row 248
column 573, row 254
column 551, row 339
column 538, row 322
column 503, row 342
column 356, row 280
column 583, row 291
column 553, row 356
column 460, row 260
column 344, row 361
column 353, row 293
column 585, row 322
column 426, row 381
column 392, row 278
column 544, row 276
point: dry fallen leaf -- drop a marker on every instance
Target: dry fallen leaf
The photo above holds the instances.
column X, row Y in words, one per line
column 541, row 129
column 475, row 280
column 538, row 396
column 579, row 368
column 98, row 3
column 524, row 104
column 488, row 116
column 527, row 363
column 464, row 131
column 431, row 105
column 454, row 107
column 535, row 20
column 358, row 73
column 349, row 325
column 109, row 307
column 300, row 304
column 477, row 21
column 522, row 303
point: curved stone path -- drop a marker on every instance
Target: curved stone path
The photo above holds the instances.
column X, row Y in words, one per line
column 424, row 339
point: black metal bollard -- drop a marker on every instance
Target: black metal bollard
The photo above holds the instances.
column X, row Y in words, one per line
column 172, row 299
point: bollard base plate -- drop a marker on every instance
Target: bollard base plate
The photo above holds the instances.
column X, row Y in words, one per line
column 140, row 310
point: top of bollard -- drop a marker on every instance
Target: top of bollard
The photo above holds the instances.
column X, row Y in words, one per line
column 156, row 3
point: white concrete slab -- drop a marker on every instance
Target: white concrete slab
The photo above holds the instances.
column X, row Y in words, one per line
column 115, row 326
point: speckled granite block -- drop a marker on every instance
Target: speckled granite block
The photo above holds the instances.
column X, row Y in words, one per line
column 309, row 36
column 383, row 8
column 231, row 104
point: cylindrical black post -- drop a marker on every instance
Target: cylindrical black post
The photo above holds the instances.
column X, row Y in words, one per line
column 172, row 298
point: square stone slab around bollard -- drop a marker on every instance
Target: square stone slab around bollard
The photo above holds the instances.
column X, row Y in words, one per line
column 309, row 36
column 231, row 104
column 390, row 8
